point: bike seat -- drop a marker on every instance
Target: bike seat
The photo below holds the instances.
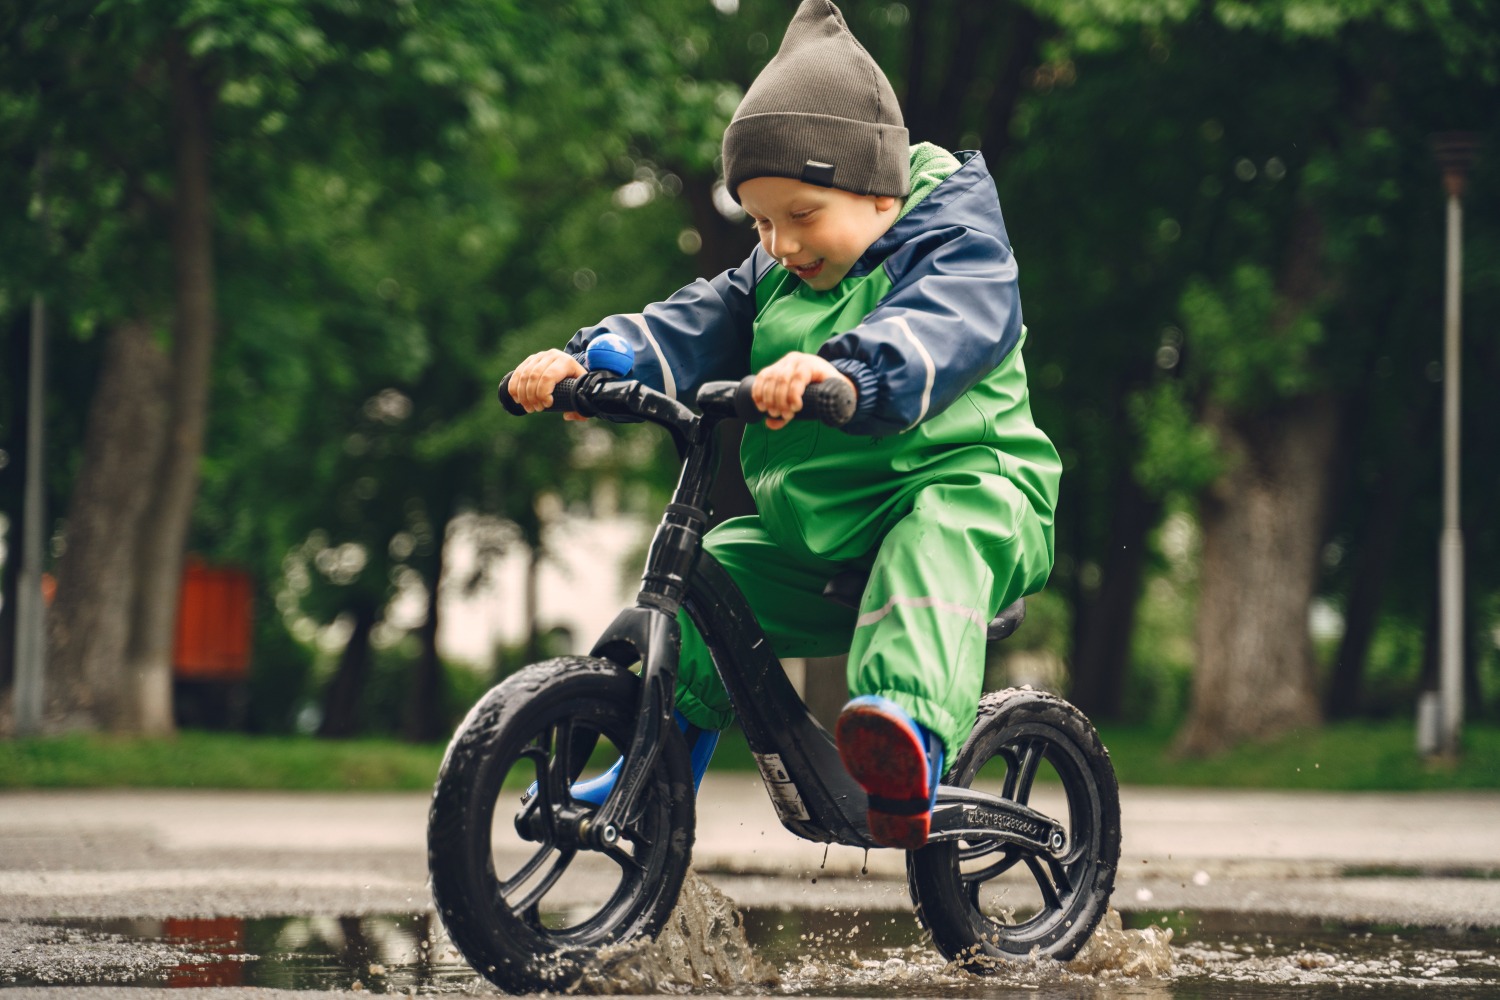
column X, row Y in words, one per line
column 848, row 586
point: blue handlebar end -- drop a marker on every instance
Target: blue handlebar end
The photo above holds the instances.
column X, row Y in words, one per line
column 609, row 352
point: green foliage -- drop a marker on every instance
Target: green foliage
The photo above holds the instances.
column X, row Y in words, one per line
column 1249, row 355
column 409, row 198
column 377, row 301
column 1177, row 453
column 383, row 704
column 1162, row 649
column 281, row 674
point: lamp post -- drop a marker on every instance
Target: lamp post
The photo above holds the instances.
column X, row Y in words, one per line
column 1455, row 153
column 31, row 636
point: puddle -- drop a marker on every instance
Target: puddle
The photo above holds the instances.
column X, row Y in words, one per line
column 712, row 949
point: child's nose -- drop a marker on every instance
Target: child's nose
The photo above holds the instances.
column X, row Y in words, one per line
column 782, row 246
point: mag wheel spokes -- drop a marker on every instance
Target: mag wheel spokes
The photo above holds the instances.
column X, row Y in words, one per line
column 1023, row 761
column 559, row 886
column 523, row 896
column 533, row 898
column 989, row 898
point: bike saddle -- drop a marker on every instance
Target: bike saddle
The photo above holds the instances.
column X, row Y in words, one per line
column 848, row 586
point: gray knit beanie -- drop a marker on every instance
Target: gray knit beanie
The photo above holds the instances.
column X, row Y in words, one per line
column 821, row 111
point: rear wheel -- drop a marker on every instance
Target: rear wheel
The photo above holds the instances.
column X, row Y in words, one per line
column 524, row 898
column 987, row 900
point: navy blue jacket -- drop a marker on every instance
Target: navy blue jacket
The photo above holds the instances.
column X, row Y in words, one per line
column 946, row 313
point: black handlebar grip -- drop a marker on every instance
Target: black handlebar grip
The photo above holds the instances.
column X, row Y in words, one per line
column 502, row 392
column 744, row 403
column 564, row 397
column 831, row 401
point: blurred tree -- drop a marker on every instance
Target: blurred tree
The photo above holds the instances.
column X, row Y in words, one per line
column 107, row 634
column 388, row 287
column 1217, row 208
column 1277, row 193
column 135, row 222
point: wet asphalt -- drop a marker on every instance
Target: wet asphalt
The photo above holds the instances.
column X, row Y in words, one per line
column 1418, row 859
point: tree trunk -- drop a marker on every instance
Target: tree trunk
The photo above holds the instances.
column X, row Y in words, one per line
column 1262, row 532
column 89, row 624
column 425, row 720
column 341, row 703
column 826, row 687
column 955, row 80
column 10, row 576
column 725, row 243
column 13, row 419
column 1101, row 656
column 160, row 552
column 532, row 603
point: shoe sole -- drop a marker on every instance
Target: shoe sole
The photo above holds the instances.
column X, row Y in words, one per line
column 890, row 764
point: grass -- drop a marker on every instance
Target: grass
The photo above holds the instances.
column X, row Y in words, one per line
column 218, row 760
column 1348, row 756
column 1345, row 757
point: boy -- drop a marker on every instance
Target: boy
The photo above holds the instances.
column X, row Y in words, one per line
column 887, row 266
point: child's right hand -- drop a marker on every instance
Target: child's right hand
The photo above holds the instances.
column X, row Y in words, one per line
column 532, row 382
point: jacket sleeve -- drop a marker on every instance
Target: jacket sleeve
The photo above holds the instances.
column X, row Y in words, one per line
column 952, row 315
column 700, row 334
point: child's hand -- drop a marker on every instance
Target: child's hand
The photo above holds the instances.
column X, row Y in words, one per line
column 779, row 387
column 534, row 379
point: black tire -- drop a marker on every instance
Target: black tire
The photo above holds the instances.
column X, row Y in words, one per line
column 989, row 903
column 536, row 927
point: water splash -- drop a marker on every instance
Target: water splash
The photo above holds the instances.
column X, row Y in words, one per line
column 703, row 946
column 1114, row 952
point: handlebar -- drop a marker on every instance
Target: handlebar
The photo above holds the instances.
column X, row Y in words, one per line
column 565, row 395
column 831, row 402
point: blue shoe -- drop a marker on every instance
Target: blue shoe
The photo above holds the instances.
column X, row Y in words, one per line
column 701, row 744
column 897, row 763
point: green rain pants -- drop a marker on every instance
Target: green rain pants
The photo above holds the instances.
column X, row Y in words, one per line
column 970, row 544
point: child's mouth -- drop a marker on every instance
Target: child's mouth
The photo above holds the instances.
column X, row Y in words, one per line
column 806, row 271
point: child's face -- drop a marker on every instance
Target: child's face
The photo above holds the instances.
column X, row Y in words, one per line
column 817, row 233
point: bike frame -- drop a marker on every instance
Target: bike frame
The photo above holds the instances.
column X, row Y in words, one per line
column 814, row 795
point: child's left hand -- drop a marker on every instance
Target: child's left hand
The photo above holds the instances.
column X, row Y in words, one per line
column 779, row 386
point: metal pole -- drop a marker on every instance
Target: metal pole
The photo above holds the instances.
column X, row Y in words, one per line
column 31, row 611
column 1451, row 548
column 31, row 636
column 1455, row 154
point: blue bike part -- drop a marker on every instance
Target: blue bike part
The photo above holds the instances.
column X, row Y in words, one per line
column 609, row 352
column 701, row 744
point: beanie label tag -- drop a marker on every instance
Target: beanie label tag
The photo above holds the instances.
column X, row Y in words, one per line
column 817, row 173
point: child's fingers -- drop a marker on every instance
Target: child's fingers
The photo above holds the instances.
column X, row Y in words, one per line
column 535, row 378
column 779, row 387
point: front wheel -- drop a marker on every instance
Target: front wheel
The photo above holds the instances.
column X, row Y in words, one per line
column 987, row 901
column 524, row 898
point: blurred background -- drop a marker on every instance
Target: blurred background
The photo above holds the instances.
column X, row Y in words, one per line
column 267, row 260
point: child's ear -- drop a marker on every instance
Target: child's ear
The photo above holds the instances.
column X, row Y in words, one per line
column 884, row 203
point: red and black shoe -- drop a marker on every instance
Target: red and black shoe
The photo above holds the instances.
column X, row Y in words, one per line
column 897, row 762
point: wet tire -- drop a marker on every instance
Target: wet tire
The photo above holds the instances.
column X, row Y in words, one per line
column 988, row 903
column 523, row 901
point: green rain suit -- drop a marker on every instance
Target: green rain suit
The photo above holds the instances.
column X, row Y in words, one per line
column 942, row 485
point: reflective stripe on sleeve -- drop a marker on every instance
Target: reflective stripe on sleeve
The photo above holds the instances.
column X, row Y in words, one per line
column 926, row 360
column 668, row 383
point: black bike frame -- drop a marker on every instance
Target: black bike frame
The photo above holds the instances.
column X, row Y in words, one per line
column 813, row 794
